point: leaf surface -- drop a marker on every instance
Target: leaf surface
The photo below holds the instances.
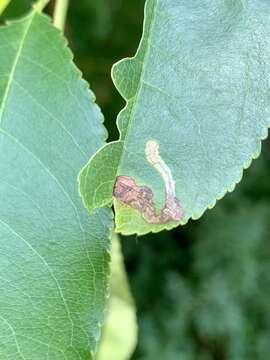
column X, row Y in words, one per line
column 197, row 88
column 54, row 258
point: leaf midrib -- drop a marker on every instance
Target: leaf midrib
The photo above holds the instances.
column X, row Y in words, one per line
column 14, row 66
column 138, row 90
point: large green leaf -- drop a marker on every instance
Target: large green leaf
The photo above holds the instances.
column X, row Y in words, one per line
column 198, row 88
column 53, row 256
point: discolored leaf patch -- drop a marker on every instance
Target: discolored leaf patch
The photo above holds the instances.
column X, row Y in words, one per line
column 141, row 198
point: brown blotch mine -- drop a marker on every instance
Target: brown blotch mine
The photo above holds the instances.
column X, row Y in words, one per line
column 141, row 198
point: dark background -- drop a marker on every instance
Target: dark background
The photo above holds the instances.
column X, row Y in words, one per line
column 203, row 291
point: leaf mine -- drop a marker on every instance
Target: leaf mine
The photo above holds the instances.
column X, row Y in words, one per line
column 141, row 198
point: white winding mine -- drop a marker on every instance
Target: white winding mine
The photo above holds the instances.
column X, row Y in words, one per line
column 153, row 157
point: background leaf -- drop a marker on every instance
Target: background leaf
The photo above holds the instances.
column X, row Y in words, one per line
column 3, row 5
column 198, row 85
column 16, row 9
column 119, row 334
column 53, row 257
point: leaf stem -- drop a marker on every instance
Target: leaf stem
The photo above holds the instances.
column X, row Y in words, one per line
column 40, row 5
column 60, row 14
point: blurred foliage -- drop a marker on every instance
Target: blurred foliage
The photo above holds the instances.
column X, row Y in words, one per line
column 119, row 333
column 16, row 8
column 202, row 291
column 3, row 5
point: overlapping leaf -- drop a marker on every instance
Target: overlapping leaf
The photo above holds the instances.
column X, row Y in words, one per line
column 53, row 256
column 198, row 88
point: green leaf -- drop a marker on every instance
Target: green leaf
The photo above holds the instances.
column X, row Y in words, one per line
column 119, row 334
column 199, row 88
column 54, row 258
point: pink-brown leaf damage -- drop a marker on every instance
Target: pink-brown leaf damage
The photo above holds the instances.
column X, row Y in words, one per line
column 141, row 198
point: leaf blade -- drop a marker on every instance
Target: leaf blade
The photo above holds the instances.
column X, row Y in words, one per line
column 55, row 259
column 198, row 86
